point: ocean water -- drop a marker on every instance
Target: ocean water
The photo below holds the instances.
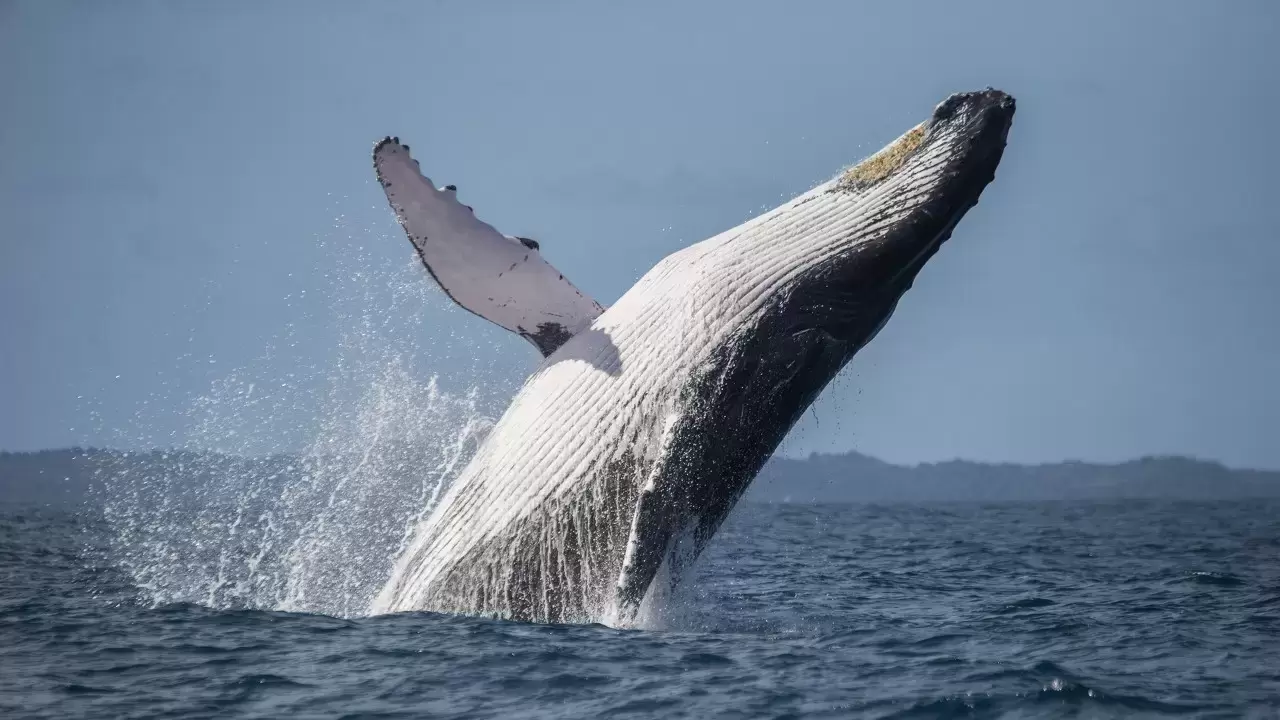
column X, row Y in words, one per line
column 1112, row 609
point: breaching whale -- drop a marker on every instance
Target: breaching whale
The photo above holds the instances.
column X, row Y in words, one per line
column 625, row 450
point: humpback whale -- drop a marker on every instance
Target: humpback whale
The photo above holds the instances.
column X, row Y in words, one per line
column 628, row 446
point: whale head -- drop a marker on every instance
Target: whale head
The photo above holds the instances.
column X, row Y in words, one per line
column 823, row 273
column 904, row 201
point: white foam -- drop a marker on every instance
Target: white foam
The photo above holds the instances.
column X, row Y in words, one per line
column 316, row 531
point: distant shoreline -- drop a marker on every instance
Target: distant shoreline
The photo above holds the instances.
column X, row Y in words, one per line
column 69, row 475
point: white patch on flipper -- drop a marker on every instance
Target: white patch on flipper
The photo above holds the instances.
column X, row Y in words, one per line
column 501, row 278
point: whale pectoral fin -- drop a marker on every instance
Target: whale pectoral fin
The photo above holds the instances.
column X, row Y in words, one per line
column 660, row 510
column 502, row 279
column 654, row 527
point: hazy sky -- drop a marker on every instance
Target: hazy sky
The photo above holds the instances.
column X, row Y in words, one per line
column 186, row 196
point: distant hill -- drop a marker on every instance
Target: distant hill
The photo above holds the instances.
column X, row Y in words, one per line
column 47, row 476
column 70, row 475
column 853, row 477
column 67, row 476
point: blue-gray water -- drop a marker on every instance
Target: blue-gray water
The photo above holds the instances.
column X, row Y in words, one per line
column 1107, row 609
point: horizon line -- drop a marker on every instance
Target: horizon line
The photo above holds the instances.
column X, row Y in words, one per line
column 1148, row 457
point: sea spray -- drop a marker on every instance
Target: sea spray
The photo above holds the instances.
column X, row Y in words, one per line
column 228, row 519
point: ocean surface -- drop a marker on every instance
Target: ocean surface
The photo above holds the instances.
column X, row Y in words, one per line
column 1104, row 609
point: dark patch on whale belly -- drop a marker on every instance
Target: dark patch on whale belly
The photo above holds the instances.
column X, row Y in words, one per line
column 548, row 337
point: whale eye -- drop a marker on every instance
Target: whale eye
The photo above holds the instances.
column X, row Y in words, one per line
column 531, row 244
column 879, row 166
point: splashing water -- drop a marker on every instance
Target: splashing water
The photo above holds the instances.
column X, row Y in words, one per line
column 220, row 523
column 314, row 533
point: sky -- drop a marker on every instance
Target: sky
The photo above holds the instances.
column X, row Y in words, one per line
column 187, row 203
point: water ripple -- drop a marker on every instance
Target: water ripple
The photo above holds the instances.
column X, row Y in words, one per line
column 889, row 612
